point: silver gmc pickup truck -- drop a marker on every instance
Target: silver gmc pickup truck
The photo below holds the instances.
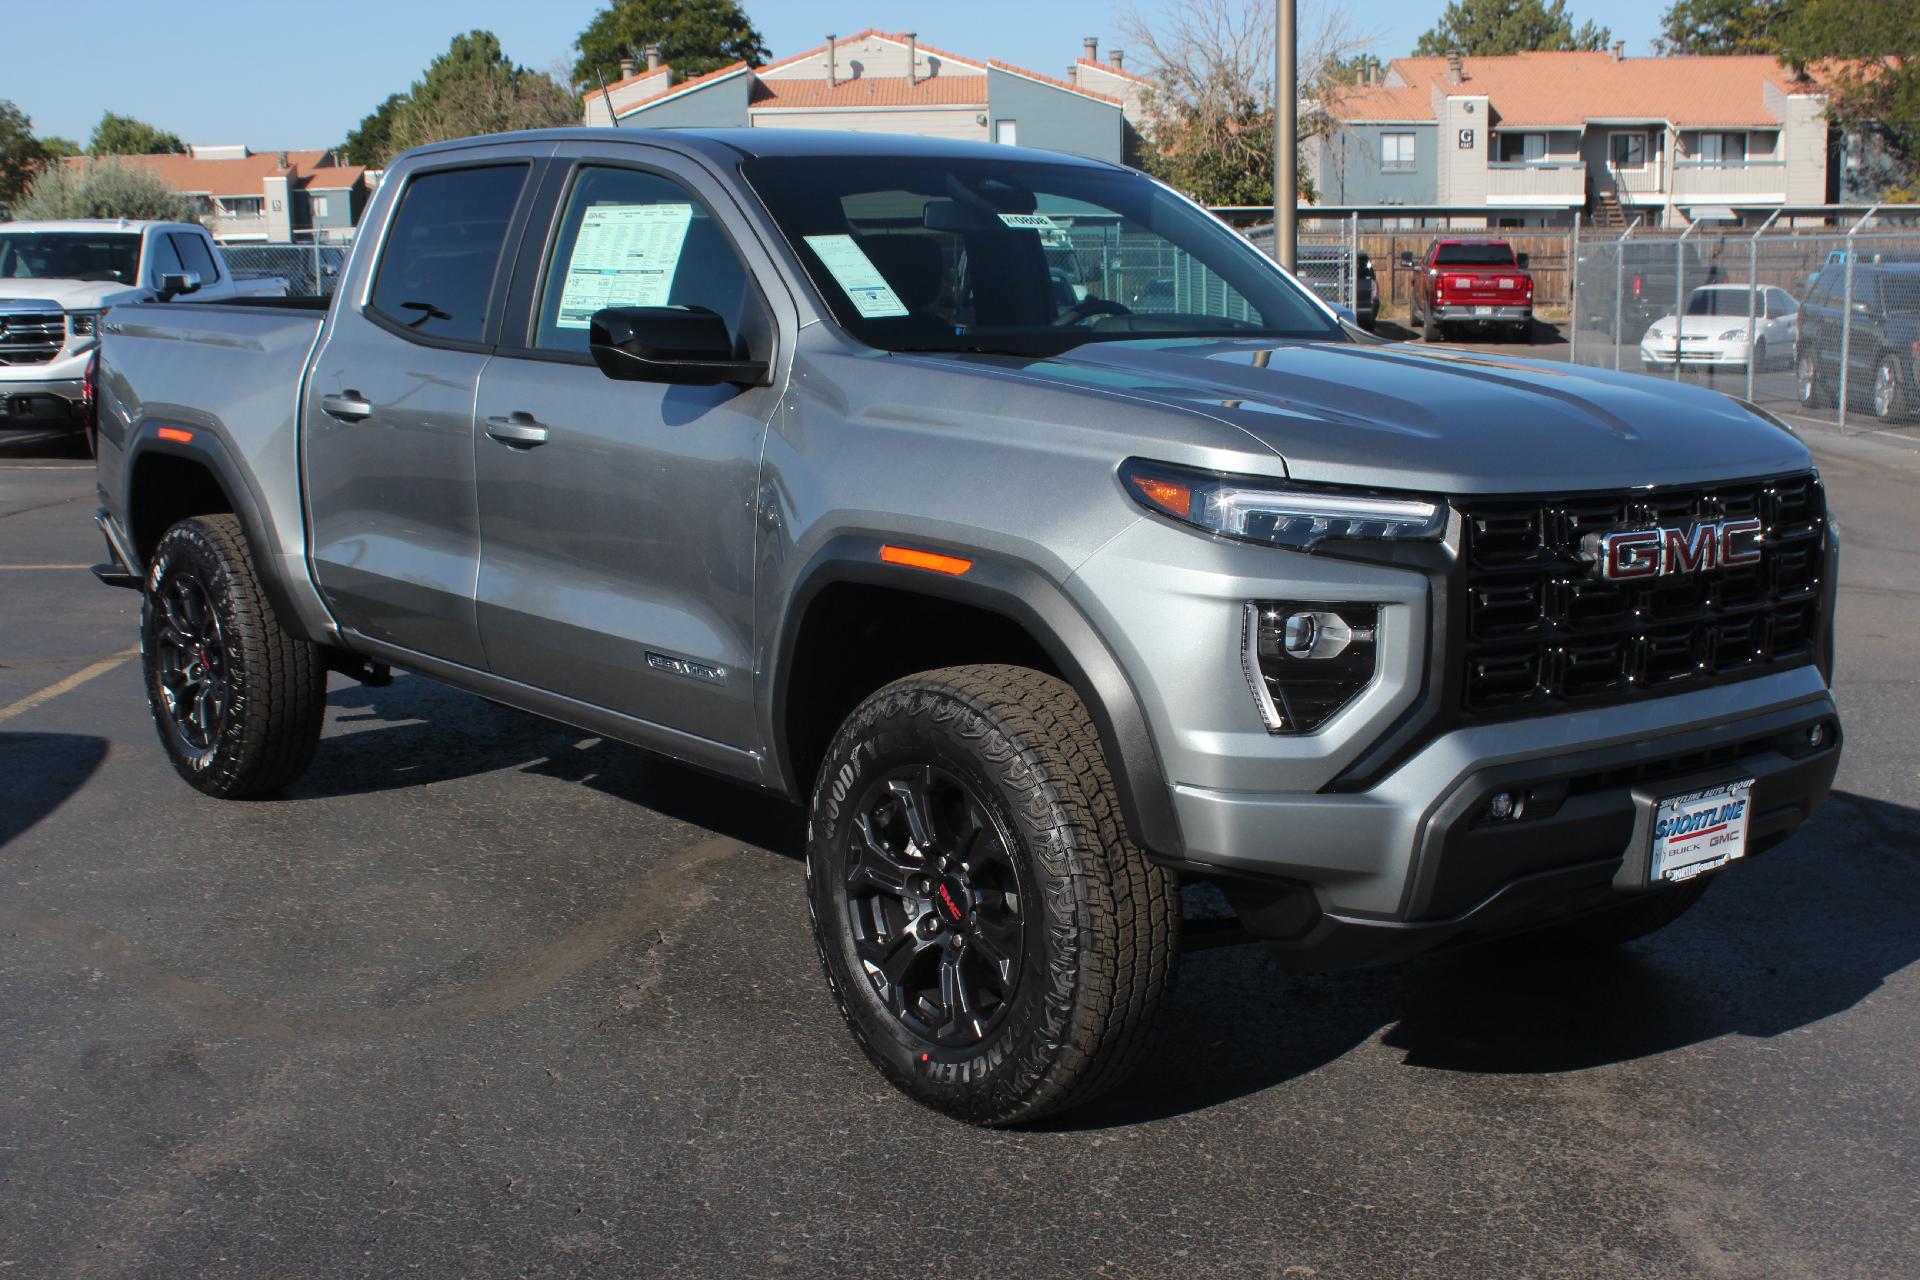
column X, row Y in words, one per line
column 1048, row 542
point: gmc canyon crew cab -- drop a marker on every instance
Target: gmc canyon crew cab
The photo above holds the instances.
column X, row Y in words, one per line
column 57, row 277
column 1482, row 283
column 780, row 453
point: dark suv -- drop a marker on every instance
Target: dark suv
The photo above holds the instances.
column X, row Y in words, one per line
column 1323, row 269
column 1882, row 349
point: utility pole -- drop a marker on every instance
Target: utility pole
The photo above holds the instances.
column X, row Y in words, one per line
column 1286, row 107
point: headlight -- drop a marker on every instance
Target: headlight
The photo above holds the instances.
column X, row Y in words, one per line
column 1656, row 332
column 1280, row 512
column 82, row 324
column 1732, row 335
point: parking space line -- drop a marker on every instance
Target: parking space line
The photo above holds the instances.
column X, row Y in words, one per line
column 44, row 566
column 68, row 685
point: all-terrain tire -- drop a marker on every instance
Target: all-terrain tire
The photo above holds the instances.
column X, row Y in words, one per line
column 1022, row 798
column 237, row 701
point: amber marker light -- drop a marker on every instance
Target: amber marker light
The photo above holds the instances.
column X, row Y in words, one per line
column 924, row 560
column 1171, row 496
column 179, row 435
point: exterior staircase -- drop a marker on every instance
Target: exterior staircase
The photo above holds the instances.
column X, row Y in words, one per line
column 1604, row 211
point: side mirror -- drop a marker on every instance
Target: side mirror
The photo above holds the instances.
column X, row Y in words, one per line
column 687, row 345
column 1524, row 259
column 1406, row 258
column 175, row 283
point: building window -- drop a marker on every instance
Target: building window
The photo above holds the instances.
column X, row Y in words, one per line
column 1396, row 151
column 1523, row 148
column 1722, row 148
column 1006, row 131
column 1627, row 150
column 242, row 206
column 319, row 206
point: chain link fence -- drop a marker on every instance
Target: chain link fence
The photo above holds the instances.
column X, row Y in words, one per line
column 1330, row 260
column 1823, row 322
column 310, row 270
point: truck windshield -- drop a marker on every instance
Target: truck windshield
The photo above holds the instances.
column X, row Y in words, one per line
column 1022, row 258
column 1474, row 255
column 70, row 255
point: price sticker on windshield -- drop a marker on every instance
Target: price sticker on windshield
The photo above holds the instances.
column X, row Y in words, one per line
column 1029, row 222
column 857, row 277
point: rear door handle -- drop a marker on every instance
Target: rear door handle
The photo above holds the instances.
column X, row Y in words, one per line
column 348, row 406
column 517, row 429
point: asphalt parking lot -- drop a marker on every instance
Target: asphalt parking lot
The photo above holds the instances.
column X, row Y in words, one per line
column 482, row 996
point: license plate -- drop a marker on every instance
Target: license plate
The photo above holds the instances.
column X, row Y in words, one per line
column 1483, row 311
column 1701, row 830
column 1505, row 283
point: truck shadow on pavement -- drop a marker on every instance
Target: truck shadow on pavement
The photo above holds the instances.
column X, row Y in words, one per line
column 42, row 770
column 1807, row 930
column 1803, row 932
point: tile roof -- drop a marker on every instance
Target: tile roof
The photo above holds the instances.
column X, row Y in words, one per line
column 871, row 91
column 1537, row 89
column 998, row 65
column 334, row 176
column 231, row 177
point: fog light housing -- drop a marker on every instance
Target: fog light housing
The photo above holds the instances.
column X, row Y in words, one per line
column 1305, row 661
column 1817, row 736
column 1505, row 805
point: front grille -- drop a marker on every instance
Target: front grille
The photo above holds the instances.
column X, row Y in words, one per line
column 34, row 337
column 1542, row 633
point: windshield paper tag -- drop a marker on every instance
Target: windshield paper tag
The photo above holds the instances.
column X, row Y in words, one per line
column 625, row 256
column 856, row 275
column 1029, row 222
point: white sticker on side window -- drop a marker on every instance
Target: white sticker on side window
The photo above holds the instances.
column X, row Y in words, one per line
column 856, row 275
column 625, row 256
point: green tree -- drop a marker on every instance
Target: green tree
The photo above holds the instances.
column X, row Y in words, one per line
column 1487, row 28
column 1721, row 26
column 370, row 144
column 21, row 154
column 1219, row 159
column 471, row 89
column 1866, row 55
column 118, row 135
column 695, row 37
column 103, row 189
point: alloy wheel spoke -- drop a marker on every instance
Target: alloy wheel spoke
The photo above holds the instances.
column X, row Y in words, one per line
column 916, row 799
column 996, row 941
column 956, row 998
column 876, row 865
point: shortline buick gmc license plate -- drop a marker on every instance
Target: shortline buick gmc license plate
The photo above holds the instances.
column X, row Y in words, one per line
column 1701, row 830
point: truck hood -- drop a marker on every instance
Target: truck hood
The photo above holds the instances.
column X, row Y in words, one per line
column 69, row 295
column 1405, row 418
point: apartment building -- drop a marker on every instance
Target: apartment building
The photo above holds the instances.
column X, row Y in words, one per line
column 887, row 82
column 264, row 196
column 1531, row 138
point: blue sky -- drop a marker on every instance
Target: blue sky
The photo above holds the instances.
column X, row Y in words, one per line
column 278, row 75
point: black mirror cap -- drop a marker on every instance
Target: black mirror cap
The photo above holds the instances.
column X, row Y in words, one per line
column 175, row 283
column 688, row 345
column 1524, row 259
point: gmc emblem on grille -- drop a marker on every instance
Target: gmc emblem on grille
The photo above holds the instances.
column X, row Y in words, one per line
column 1628, row 554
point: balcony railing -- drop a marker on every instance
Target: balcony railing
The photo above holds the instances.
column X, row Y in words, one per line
column 1764, row 179
column 1537, row 182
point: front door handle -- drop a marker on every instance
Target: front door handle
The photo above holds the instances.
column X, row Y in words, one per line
column 517, row 429
column 348, row 406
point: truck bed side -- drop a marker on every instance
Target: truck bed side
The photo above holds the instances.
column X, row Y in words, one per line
column 224, row 383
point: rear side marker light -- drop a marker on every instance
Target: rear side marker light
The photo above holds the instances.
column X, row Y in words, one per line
column 178, row 435
column 929, row 560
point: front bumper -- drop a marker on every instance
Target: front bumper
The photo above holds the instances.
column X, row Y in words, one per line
column 40, row 401
column 1483, row 313
column 1660, row 355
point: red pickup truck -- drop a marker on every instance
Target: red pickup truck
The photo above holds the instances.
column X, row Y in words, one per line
column 1477, row 282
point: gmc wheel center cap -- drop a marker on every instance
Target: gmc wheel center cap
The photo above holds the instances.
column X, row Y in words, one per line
column 950, row 900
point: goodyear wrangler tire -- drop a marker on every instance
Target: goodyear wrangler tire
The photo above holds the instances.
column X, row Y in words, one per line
column 237, row 701
column 998, row 946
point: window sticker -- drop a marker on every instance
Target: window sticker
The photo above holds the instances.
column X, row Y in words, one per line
column 1029, row 222
column 625, row 256
column 855, row 273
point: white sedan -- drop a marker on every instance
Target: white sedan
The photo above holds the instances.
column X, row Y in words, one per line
column 1717, row 331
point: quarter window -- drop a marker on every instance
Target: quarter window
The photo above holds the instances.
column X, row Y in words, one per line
column 633, row 239
column 443, row 250
column 1396, row 151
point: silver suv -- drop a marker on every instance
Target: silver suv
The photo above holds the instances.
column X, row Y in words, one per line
column 1041, row 536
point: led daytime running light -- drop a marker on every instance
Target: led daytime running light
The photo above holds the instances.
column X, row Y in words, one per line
column 1274, row 511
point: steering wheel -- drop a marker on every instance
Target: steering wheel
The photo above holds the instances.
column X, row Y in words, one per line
column 1088, row 307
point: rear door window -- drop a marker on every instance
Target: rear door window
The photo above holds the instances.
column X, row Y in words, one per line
column 443, row 251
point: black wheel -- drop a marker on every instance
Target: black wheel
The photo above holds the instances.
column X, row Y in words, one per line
column 1644, row 914
column 237, row 701
column 1810, row 382
column 1889, row 397
column 1523, row 332
column 1430, row 330
column 999, row 947
column 1758, row 356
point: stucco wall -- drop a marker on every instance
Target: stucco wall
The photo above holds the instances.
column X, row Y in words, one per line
column 926, row 122
column 1055, row 119
column 1346, row 166
column 719, row 105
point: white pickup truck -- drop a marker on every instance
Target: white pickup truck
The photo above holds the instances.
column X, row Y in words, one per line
column 57, row 277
